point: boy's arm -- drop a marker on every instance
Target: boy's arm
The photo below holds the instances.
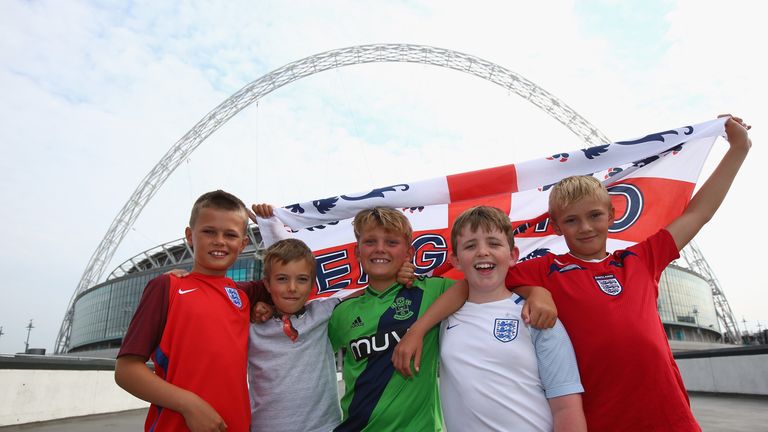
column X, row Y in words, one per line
column 133, row 375
column 568, row 414
column 559, row 375
column 709, row 197
column 539, row 309
column 410, row 345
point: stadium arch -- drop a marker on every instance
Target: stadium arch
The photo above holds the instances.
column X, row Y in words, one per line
column 255, row 90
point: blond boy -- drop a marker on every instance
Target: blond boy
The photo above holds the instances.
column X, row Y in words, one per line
column 608, row 302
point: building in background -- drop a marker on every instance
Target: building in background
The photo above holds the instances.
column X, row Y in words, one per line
column 687, row 304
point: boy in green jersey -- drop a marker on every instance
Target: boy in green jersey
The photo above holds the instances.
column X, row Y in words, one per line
column 368, row 327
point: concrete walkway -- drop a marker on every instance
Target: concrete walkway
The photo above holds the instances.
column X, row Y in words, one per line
column 714, row 413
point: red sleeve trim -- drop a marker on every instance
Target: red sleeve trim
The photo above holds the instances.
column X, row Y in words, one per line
column 148, row 322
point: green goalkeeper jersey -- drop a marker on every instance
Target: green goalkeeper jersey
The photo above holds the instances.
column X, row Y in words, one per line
column 376, row 397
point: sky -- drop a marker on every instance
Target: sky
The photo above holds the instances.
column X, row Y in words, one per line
column 95, row 93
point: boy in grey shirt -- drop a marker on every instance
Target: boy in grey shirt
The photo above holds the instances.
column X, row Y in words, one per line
column 291, row 368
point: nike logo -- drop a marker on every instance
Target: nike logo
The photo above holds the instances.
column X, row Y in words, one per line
column 451, row 326
column 181, row 291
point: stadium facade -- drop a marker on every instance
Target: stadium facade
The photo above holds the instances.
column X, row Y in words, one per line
column 102, row 313
column 691, row 304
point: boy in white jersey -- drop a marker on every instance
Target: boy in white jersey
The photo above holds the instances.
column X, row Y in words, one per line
column 495, row 372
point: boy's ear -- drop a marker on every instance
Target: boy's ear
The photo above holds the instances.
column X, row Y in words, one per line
column 555, row 228
column 188, row 235
column 411, row 252
column 357, row 251
column 612, row 214
column 454, row 261
column 514, row 254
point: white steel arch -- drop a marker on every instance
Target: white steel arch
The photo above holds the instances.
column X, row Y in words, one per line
column 255, row 90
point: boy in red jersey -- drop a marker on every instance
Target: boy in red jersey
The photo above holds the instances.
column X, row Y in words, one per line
column 608, row 302
column 195, row 329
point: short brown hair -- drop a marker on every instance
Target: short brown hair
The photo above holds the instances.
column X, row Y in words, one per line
column 575, row 188
column 485, row 217
column 288, row 250
column 389, row 219
column 221, row 200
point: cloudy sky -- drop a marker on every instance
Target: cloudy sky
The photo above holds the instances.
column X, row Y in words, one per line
column 94, row 94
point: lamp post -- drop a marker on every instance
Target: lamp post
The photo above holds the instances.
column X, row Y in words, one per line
column 695, row 313
column 29, row 330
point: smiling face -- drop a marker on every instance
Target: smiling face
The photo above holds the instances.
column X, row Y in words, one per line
column 381, row 254
column 584, row 224
column 216, row 238
column 290, row 283
column 484, row 257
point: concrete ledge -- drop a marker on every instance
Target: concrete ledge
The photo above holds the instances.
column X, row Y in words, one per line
column 742, row 371
column 41, row 388
column 38, row 362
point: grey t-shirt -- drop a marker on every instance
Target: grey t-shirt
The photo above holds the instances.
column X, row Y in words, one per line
column 292, row 385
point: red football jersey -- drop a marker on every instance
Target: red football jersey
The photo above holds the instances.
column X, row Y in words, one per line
column 631, row 381
column 203, row 346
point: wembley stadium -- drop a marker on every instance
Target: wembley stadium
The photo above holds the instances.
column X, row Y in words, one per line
column 691, row 303
column 101, row 314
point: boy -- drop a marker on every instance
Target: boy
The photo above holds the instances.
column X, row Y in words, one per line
column 291, row 370
column 370, row 325
column 496, row 374
column 196, row 330
column 609, row 302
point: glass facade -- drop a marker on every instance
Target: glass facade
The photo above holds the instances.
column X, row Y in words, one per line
column 102, row 314
column 686, row 306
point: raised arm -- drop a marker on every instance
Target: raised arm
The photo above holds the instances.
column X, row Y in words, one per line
column 133, row 375
column 410, row 345
column 711, row 194
column 269, row 225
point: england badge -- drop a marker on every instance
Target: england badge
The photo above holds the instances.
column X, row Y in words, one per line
column 505, row 329
column 234, row 296
column 609, row 284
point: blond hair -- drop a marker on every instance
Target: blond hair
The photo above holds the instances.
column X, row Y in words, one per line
column 485, row 217
column 286, row 251
column 221, row 200
column 575, row 188
column 390, row 219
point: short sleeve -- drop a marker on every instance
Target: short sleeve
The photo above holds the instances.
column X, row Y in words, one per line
column 256, row 291
column 324, row 306
column 148, row 322
column 525, row 273
column 558, row 369
column 446, row 283
column 657, row 251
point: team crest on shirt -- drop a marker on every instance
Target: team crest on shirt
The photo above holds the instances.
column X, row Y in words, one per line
column 609, row 284
column 505, row 329
column 234, row 296
column 402, row 307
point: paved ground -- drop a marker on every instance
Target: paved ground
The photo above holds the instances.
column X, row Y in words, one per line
column 715, row 414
